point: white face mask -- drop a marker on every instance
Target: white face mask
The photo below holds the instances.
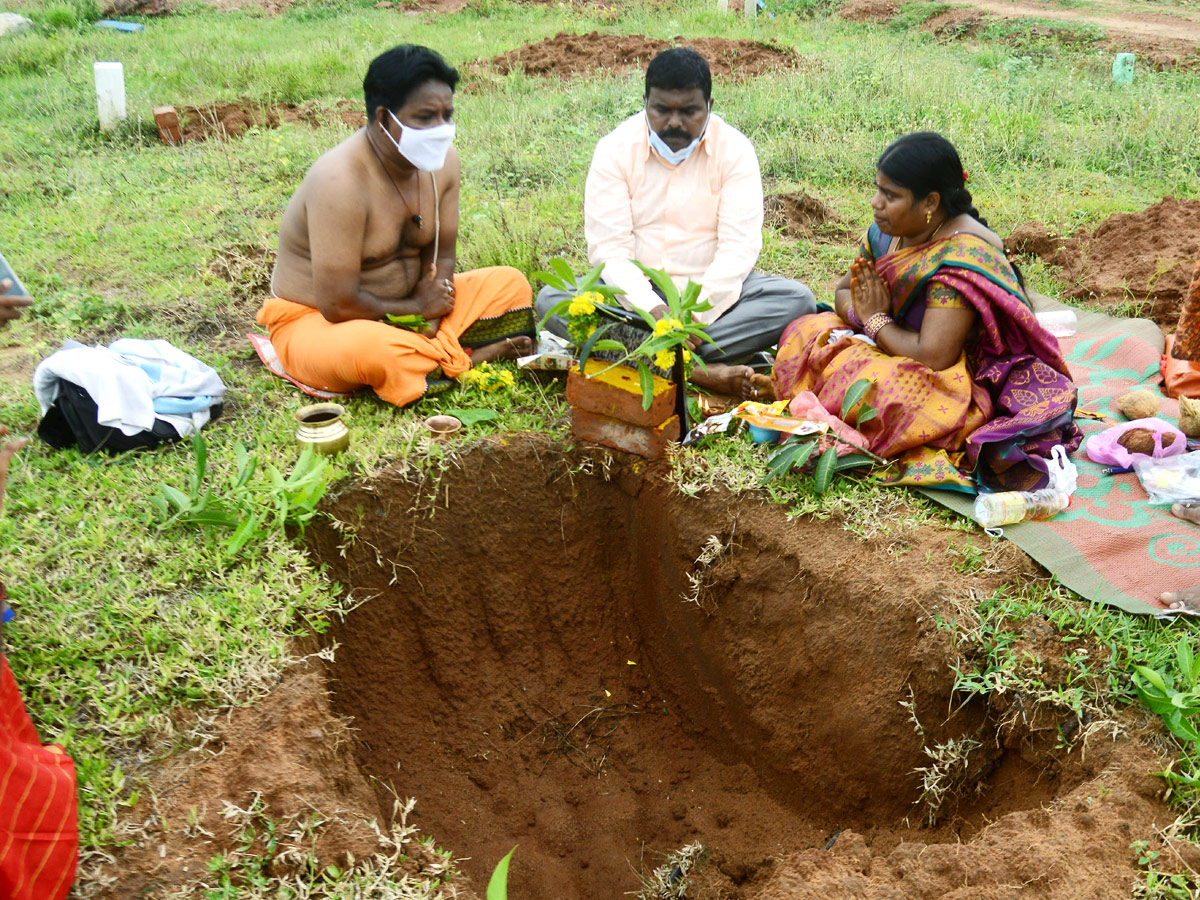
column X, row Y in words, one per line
column 675, row 157
column 425, row 148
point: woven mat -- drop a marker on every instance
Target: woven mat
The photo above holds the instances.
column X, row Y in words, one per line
column 1111, row 545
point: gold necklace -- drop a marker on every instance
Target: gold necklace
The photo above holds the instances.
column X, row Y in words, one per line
column 416, row 218
column 903, row 246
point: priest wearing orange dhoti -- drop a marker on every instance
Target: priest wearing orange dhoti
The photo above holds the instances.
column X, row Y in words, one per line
column 370, row 234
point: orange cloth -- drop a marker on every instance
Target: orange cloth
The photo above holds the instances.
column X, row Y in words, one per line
column 39, row 833
column 343, row 356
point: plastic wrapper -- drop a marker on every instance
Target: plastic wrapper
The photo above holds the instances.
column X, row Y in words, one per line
column 1171, row 479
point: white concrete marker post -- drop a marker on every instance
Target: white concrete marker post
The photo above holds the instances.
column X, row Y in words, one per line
column 722, row 6
column 751, row 8
column 110, row 93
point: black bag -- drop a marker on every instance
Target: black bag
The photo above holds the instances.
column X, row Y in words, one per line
column 73, row 419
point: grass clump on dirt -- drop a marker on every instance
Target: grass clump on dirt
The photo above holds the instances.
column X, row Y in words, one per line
column 129, row 638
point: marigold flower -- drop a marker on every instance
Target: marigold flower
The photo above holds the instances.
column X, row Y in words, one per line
column 665, row 359
column 584, row 304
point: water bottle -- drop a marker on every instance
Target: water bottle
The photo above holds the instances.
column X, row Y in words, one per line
column 994, row 510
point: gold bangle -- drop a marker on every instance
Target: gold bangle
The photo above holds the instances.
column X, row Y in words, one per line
column 876, row 324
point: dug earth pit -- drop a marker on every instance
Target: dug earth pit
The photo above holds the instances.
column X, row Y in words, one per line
column 560, row 652
column 799, row 215
column 570, row 55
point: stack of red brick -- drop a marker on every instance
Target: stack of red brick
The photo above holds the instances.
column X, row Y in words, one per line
column 606, row 407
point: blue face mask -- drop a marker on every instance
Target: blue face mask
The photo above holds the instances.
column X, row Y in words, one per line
column 675, row 157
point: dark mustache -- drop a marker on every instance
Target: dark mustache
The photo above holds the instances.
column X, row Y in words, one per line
column 674, row 133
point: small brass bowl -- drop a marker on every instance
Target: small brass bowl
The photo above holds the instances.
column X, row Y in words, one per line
column 442, row 427
column 322, row 428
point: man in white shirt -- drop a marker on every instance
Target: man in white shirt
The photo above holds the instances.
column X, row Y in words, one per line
column 677, row 188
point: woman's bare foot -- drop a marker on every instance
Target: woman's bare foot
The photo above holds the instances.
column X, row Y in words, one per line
column 509, row 348
column 1187, row 600
column 736, row 381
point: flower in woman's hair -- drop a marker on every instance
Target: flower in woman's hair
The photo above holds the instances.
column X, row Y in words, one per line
column 966, row 177
column 664, row 359
column 584, row 304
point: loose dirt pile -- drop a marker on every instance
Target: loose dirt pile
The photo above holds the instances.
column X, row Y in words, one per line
column 571, row 55
column 869, row 10
column 232, row 120
column 800, row 215
column 1143, row 258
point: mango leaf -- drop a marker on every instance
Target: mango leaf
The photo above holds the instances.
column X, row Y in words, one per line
column 793, row 454
column 588, row 281
column 865, row 414
column 411, row 322
column 647, row 380
column 854, row 394
column 586, row 350
column 553, row 280
column 823, row 473
column 558, row 309
column 562, row 270
column 663, row 282
column 609, row 345
column 473, row 416
column 852, row 461
column 497, row 888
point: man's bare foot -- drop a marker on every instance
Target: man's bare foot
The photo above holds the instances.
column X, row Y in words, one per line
column 1187, row 600
column 509, row 348
column 736, row 381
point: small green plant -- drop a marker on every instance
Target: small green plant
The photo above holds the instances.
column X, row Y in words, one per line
column 1178, row 705
column 671, row 336
column 497, row 888
column 583, row 319
column 251, row 510
column 796, row 451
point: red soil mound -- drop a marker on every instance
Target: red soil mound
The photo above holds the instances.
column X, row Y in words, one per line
column 569, row 55
column 869, row 10
column 232, row 120
column 1144, row 258
column 800, row 215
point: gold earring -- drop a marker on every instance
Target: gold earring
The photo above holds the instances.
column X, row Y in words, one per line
column 929, row 217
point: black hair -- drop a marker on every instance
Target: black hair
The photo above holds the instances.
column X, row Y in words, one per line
column 924, row 162
column 678, row 69
column 395, row 74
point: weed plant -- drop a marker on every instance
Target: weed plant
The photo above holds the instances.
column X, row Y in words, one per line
column 121, row 625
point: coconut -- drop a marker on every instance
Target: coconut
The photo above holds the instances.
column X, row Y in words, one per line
column 1138, row 404
column 1189, row 416
column 1141, row 440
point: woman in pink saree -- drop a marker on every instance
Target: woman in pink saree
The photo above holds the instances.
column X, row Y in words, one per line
column 968, row 388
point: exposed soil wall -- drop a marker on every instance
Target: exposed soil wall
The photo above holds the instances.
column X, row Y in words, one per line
column 526, row 665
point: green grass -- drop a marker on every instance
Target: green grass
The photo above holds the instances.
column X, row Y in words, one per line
column 120, row 624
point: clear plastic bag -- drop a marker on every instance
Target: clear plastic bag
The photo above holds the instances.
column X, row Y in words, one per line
column 1171, row 479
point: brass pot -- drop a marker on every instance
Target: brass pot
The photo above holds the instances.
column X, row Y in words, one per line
column 322, row 428
column 442, row 427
